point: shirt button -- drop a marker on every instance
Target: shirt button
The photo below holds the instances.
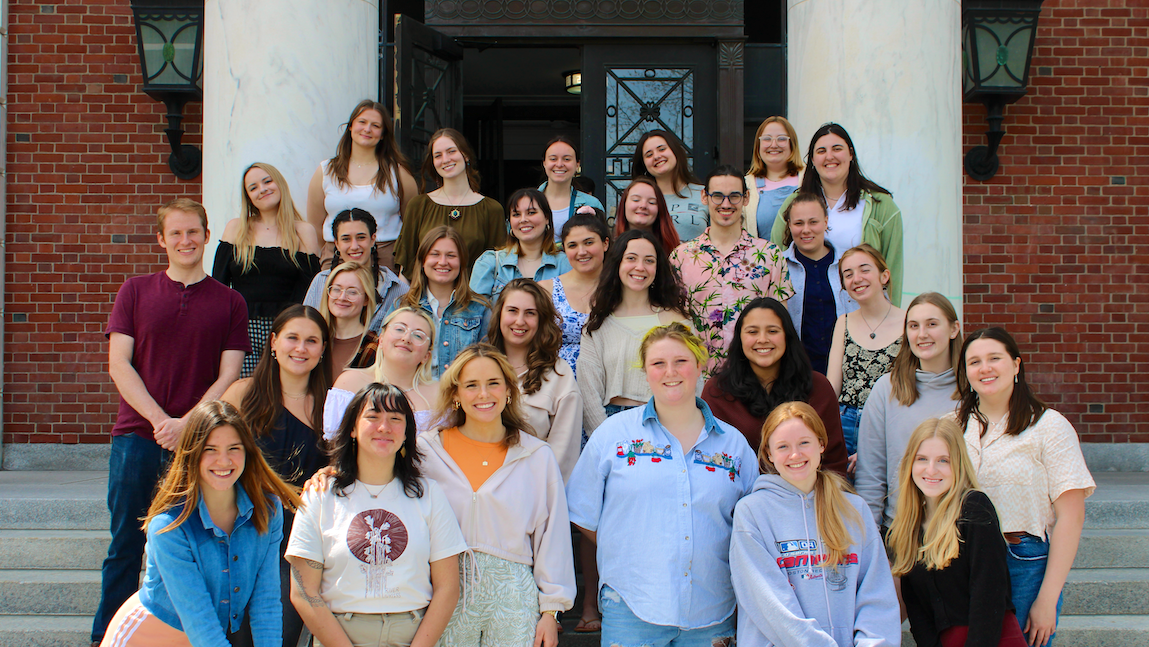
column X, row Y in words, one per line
column 686, row 574
column 684, row 505
column 446, row 343
column 688, row 538
column 684, row 470
column 235, row 558
column 236, row 589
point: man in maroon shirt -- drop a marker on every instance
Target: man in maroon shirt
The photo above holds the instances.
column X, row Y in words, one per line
column 176, row 338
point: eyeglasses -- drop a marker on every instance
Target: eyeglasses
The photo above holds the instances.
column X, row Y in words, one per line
column 770, row 139
column 351, row 293
column 718, row 198
column 401, row 330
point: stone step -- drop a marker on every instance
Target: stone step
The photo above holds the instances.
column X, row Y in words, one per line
column 54, row 549
column 54, row 500
column 1112, row 548
column 56, row 592
column 1103, row 631
column 1110, row 591
column 1121, row 501
column 45, row 631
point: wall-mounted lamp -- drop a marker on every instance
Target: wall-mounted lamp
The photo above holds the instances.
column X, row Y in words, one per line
column 997, row 46
column 573, row 81
column 170, row 38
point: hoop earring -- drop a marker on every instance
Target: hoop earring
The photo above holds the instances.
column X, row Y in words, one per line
column 403, row 452
column 456, row 404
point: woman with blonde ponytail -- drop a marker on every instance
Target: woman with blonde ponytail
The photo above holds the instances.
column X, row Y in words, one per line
column 946, row 546
column 806, row 559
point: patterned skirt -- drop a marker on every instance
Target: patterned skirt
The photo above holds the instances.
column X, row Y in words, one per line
column 258, row 330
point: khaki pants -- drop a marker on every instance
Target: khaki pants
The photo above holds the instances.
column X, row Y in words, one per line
column 380, row 629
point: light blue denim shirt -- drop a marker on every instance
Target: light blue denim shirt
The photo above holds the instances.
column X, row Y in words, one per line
column 457, row 329
column 201, row 581
column 843, row 303
column 578, row 199
column 498, row 267
column 663, row 518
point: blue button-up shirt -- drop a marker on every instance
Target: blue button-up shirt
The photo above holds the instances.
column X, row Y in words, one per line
column 200, row 581
column 498, row 267
column 663, row 516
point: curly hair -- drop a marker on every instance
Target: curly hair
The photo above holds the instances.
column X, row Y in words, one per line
column 544, row 348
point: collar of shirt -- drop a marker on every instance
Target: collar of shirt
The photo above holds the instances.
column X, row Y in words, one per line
column 709, row 422
column 507, row 258
column 433, row 304
column 706, row 243
column 242, row 501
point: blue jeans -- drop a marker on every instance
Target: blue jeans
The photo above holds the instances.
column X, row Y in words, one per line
column 1026, row 563
column 621, row 627
column 134, row 469
column 851, row 418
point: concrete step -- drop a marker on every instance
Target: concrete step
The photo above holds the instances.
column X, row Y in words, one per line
column 1112, row 548
column 45, row 631
column 54, row 549
column 54, row 500
column 55, row 592
column 1111, row 591
column 1121, row 501
column 1086, row 631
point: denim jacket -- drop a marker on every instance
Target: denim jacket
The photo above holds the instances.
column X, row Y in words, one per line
column 459, row 328
column 201, row 581
column 498, row 267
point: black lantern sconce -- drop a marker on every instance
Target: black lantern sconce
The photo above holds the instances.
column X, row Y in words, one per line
column 997, row 47
column 170, row 38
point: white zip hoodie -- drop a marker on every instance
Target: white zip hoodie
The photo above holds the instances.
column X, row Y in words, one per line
column 785, row 598
column 518, row 514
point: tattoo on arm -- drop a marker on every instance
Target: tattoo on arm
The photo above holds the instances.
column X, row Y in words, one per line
column 313, row 600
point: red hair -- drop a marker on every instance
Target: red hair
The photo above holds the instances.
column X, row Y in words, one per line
column 663, row 226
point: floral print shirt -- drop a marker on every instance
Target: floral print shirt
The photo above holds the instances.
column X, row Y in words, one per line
column 720, row 286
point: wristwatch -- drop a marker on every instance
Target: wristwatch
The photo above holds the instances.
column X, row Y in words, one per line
column 554, row 613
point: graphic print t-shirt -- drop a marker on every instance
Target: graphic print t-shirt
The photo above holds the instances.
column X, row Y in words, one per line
column 376, row 552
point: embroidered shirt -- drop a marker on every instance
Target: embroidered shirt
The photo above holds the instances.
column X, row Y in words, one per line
column 1024, row 474
column 663, row 515
column 720, row 286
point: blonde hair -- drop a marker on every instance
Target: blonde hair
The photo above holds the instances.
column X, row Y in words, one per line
column 366, row 284
column 186, row 205
column 940, row 542
column 677, row 331
column 903, row 373
column 868, row 250
column 832, row 509
column 181, row 484
column 423, row 374
column 286, row 219
column 452, row 416
column 794, row 163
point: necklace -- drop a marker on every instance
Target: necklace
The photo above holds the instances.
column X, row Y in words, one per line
column 374, row 495
column 294, row 396
column 873, row 332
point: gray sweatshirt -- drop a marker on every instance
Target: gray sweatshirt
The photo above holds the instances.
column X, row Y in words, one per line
column 784, row 598
column 885, row 431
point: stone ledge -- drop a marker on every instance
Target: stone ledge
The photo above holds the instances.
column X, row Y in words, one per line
column 56, row 457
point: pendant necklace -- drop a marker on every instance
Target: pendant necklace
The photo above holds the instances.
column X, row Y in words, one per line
column 873, row 332
column 374, row 495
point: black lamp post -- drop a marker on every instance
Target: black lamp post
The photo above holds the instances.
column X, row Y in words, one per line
column 997, row 46
column 170, row 38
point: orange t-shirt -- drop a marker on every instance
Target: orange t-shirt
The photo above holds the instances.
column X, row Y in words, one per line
column 478, row 460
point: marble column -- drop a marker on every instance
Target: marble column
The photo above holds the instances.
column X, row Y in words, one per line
column 280, row 79
column 889, row 72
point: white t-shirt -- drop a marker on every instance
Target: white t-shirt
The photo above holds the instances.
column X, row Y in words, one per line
column 691, row 217
column 845, row 225
column 383, row 205
column 376, row 552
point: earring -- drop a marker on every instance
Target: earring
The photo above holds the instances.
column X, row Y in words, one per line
column 272, row 353
column 508, row 399
column 403, row 451
column 1015, row 378
column 456, row 404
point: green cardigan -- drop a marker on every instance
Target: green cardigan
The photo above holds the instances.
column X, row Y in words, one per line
column 881, row 228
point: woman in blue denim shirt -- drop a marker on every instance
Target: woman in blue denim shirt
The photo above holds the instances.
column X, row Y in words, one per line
column 530, row 251
column 210, row 564
column 441, row 288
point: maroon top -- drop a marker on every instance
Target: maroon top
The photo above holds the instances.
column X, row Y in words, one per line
column 180, row 332
column 822, row 399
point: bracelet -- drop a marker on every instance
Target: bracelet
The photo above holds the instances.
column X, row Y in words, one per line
column 554, row 613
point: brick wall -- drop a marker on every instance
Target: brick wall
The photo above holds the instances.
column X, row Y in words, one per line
column 87, row 168
column 1057, row 244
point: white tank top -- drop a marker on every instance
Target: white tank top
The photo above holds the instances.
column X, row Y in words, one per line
column 383, row 205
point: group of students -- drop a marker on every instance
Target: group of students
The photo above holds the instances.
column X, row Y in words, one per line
column 725, row 402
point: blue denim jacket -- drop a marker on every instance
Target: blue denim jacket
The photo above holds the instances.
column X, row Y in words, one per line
column 201, row 581
column 459, row 328
column 498, row 267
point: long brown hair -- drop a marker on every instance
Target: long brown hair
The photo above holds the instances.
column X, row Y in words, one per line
column 544, row 348
column 390, row 159
column 1025, row 408
column 285, row 219
column 263, row 401
column 540, row 201
column 903, row 374
column 683, row 175
column 832, row 509
column 452, row 416
column 181, row 484
column 428, row 169
column 794, row 164
column 464, row 295
column 663, row 226
column 940, row 543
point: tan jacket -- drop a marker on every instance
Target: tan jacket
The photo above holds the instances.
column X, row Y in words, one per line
column 555, row 414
